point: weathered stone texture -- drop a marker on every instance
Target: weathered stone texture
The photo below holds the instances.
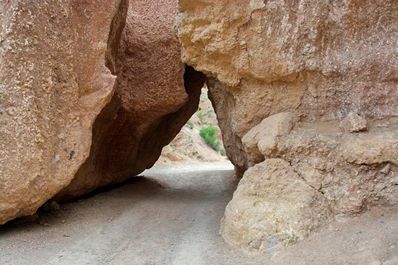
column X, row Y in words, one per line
column 53, row 84
column 150, row 104
column 331, row 64
column 261, row 214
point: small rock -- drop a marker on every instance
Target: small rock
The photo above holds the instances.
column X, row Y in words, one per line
column 354, row 123
column 43, row 223
column 394, row 180
column 386, row 169
column 52, row 206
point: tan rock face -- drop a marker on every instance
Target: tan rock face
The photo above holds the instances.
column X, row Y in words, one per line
column 53, row 84
column 261, row 213
column 261, row 140
column 354, row 123
column 151, row 101
column 333, row 66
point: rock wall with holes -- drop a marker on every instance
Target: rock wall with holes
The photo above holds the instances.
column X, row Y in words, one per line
column 306, row 94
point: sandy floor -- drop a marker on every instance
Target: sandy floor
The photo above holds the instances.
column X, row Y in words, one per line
column 171, row 217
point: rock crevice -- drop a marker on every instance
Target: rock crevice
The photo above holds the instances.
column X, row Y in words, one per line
column 87, row 100
column 155, row 95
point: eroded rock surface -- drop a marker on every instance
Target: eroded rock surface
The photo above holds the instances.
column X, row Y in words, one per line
column 333, row 66
column 152, row 101
column 67, row 126
column 261, row 213
column 53, row 84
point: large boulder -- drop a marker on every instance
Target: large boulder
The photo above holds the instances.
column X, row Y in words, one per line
column 68, row 125
column 151, row 103
column 54, row 83
column 312, row 83
column 261, row 213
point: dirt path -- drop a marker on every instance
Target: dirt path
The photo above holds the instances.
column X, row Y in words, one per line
column 172, row 217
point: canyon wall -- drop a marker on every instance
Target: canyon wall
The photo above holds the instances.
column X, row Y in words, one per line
column 305, row 91
column 53, row 84
column 151, row 103
column 90, row 92
column 306, row 94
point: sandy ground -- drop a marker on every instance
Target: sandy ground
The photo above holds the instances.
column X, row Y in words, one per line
column 172, row 217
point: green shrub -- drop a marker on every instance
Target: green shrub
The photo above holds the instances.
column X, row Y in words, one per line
column 209, row 135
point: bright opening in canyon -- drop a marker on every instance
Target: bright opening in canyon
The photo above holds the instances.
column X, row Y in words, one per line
column 110, row 154
column 200, row 139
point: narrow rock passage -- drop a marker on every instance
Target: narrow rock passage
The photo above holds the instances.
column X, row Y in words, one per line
column 172, row 217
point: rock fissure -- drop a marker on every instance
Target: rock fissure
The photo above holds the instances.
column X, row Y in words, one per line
column 305, row 93
column 147, row 109
column 319, row 190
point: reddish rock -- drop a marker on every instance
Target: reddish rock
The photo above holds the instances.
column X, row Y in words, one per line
column 151, row 102
column 53, row 84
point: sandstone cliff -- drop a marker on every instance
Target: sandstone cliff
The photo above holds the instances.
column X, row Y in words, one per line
column 306, row 92
column 53, row 84
column 90, row 93
column 151, row 103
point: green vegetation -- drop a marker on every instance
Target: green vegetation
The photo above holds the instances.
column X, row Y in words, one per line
column 209, row 134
